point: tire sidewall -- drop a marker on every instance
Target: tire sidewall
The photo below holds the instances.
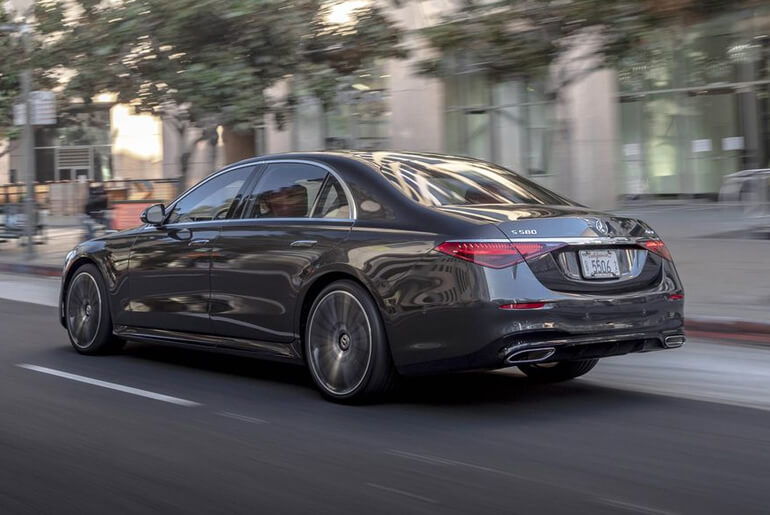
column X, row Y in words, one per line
column 379, row 356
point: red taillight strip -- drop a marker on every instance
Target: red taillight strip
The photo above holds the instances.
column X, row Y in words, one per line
column 524, row 305
column 496, row 253
column 657, row 247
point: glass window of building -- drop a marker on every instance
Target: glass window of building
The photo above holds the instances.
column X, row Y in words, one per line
column 358, row 119
column 510, row 122
column 694, row 104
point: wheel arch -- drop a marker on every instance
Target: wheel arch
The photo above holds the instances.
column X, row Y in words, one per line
column 69, row 273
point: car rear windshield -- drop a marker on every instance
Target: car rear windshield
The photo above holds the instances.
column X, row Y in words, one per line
column 452, row 182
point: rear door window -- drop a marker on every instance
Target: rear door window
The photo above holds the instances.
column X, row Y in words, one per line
column 286, row 190
column 332, row 203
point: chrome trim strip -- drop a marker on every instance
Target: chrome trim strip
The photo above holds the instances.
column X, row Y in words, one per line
column 579, row 240
column 233, row 220
column 580, row 340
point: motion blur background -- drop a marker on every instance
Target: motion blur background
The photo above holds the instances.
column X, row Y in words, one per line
column 601, row 101
column 640, row 107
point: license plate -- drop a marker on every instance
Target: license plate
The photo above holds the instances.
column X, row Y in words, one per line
column 599, row 264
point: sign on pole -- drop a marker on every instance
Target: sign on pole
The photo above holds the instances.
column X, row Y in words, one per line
column 43, row 109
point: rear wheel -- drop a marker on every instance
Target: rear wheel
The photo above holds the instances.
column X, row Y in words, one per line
column 345, row 344
column 87, row 314
column 559, row 371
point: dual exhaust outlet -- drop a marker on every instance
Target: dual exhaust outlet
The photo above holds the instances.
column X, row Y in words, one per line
column 523, row 356
column 529, row 356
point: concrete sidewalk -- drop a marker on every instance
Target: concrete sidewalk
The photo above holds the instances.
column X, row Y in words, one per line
column 726, row 274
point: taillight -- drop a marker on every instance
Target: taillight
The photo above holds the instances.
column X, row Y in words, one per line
column 496, row 254
column 658, row 247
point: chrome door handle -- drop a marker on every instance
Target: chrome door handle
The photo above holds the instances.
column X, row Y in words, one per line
column 303, row 243
column 198, row 243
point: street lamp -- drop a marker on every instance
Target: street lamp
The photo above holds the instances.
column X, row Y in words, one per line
column 30, row 209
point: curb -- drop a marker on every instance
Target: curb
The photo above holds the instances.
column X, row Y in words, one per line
column 23, row 268
column 728, row 328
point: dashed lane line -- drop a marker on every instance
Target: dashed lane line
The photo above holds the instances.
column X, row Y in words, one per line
column 111, row 386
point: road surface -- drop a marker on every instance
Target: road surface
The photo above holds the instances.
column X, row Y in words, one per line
column 167, row 430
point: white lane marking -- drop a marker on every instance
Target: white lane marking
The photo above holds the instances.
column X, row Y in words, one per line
column 401, row 492
column 637, row 508
column 242, row 418
column 111, row 386
column 444, row 461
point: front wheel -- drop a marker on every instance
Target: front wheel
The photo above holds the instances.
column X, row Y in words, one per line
column 87, row 313
column 559, row 371
column 345, row 344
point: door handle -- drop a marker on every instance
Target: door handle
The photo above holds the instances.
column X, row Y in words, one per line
column 197, row 243
column 303, row 243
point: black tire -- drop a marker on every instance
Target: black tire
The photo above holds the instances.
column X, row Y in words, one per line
column 345, row 345
column 556, row 372
column 87, row 314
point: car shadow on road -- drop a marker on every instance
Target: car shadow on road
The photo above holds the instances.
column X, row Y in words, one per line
column 478, row 388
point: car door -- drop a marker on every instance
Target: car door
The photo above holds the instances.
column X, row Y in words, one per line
column 170, row 264
column 294, row 221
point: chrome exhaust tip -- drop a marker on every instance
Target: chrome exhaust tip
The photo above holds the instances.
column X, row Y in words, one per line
column 529, row 356
column 672, row 342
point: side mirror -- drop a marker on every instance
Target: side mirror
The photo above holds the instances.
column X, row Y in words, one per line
column 153, row 215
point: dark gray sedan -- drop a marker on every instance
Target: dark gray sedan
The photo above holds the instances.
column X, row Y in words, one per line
column 367, row 265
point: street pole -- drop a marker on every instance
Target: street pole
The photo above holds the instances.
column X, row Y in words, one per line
column 30, row 206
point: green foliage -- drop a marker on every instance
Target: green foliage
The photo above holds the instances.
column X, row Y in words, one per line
column 207, row 62
column 9, row 80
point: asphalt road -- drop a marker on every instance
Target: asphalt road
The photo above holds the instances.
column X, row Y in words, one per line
column 684, row 431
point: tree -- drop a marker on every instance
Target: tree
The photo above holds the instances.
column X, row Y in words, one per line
column 525, row 38
column 9, row 83
column 205, row 63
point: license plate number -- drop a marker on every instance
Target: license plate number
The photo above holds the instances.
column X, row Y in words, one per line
column 599, row 264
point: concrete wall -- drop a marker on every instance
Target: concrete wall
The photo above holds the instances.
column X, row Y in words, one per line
column 589, row 116
column 137, row 144
column 416, row 102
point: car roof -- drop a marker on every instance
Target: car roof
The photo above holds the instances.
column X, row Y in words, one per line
column 372, row 157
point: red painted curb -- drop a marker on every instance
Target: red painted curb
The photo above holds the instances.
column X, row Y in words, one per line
column 22, row 268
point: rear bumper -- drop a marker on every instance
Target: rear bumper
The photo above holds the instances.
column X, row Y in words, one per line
column 462, row 326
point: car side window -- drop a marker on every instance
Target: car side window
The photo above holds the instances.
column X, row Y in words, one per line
column 332, row 203
column 212, row 199
column 286, row 190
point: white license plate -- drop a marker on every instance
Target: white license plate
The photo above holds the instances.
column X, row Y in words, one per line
column 599, row 264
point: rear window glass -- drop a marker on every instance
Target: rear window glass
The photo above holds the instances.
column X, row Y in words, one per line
column 454, row 182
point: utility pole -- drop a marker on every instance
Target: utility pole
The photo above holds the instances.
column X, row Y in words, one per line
column 30, row 207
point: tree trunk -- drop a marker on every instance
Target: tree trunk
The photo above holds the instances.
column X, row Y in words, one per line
column 324, row 127
column 184, row 159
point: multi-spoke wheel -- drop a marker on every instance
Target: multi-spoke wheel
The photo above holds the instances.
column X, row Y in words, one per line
column 87, row 314
column 557, row 371
column 345, row 344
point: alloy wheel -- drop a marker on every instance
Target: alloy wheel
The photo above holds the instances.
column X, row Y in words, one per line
column 84, row 310
column 339, row 343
